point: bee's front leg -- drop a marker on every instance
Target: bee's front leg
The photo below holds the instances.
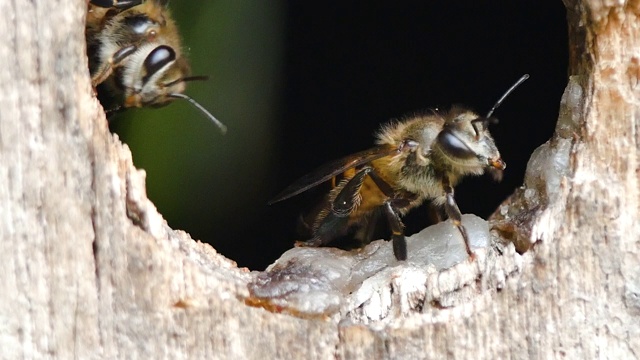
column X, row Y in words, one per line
column 116, row 59
column 453, row 212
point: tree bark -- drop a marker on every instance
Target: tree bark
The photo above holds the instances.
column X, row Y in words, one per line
column 91, row 269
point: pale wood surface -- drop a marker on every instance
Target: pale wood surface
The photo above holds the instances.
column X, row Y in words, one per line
column 91, row 270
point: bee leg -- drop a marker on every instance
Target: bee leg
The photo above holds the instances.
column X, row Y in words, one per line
column 348, row 197
column 106, row 70
column 116, row 4
column 397, row 231
column 453, row 212
column 368, row 231
column 390, row 208
column 344, row 199
column 435, row 214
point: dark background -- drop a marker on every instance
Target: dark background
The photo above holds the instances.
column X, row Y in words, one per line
column 301, row 83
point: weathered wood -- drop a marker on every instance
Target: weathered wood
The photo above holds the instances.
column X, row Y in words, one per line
column 81, row 279
column 91, row 270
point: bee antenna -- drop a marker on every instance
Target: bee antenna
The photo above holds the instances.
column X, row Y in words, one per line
column 188, row 78
column 196, row 78
column 222, row 127
column 513, row 87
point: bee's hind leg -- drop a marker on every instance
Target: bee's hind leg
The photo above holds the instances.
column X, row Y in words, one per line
column 333, row 222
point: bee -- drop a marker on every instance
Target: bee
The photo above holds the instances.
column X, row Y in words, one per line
column 417, row 159
column 134, row 50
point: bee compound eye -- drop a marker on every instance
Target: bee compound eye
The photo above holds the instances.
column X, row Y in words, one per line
column 159, row 58
column 454, row 146
column 116, row 4
column 139, row 24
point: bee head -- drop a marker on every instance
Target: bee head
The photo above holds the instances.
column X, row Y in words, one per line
column 155, row 76
column 161, row 79
column 466, row 144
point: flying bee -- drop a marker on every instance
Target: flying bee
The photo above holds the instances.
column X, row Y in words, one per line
column 418, row 159
column 134, row 50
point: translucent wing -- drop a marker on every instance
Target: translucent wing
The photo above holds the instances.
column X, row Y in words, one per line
column 333, row 168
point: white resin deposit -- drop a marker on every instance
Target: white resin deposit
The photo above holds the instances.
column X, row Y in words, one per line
column 324, row 281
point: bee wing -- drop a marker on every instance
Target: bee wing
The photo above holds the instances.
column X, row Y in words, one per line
column 333, row 168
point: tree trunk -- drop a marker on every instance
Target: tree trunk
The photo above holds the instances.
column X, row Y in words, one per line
column 91, row 270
